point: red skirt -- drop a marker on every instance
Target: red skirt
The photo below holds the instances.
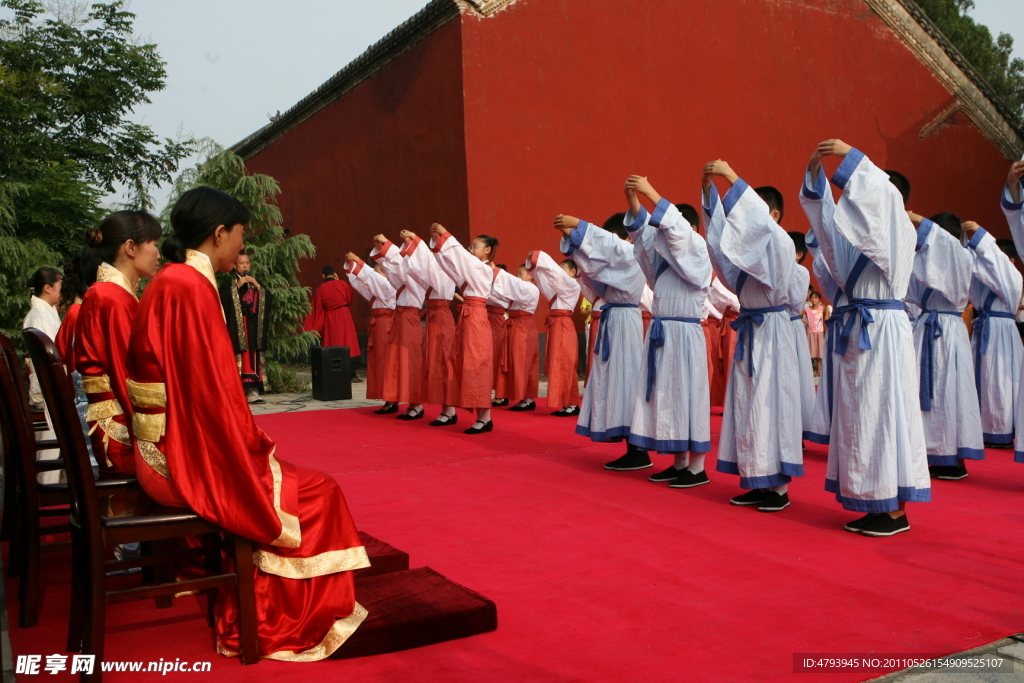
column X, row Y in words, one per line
column 499, row 335
column 523, row 356
column 472, row 369
column 403, row 378
column 438, row 352
column 381, row 321
column 723, row 355
column 595, row 327
column 647, row 321
column 561, row 360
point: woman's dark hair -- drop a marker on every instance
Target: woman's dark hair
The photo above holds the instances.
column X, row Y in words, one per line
column 328, row 271
column 42, row 277
column 195, row 217
column 491, row 242
column 74, row 286
column 103, row 242
column 813, row 293
column 901, row 183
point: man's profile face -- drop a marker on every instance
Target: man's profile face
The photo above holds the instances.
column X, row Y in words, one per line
column 242, row 264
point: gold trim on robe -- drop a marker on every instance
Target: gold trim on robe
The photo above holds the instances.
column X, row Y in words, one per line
column 153, row 457
column 149, row 427
column 147, row 394
column 341, row 631
column 291, row 533
column 331, row 562
column 204, row 265
column 103, row 410
column 108, row 273
column 99, row 384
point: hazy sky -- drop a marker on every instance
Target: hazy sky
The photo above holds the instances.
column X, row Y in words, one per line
column 232, row 63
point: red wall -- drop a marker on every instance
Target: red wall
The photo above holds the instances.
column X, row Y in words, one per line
column 564, row 99
column 387, row 156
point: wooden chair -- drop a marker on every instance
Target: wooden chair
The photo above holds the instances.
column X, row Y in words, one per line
column 93, row 529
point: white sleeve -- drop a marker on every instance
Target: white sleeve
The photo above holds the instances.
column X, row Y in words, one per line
column 994, row 270
column 605, row 258
column 684, row 250
column 752, row 240
column 552, row 281
column 942, row 264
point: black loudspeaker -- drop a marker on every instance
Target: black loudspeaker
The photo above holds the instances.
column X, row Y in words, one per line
column 332, row 372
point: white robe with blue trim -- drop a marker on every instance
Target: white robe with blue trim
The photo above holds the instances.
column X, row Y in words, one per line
column 996, row 345
column 672, row 412
column 762, row 424
column 1015, row 218
column 821, row 418
column 939, row 285
column 612, row 272
column 797, row 302
column 877, row 456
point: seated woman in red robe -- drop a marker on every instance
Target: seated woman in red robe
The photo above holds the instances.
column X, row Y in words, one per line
column 199, row 447
column 118, row 253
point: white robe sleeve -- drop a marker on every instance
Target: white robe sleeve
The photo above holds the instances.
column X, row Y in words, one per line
column 392, row 263
column 753, row 242
column 1014, row 212
column 721, row 297
column 820, row 207
column 799, row 283
column 714, row 219
column 683, row 249
column 371, row 284
column 461, row 266
column 871, row 217
column 424, row 268
column 554, row 283
column 520, row 294
column 643, row 236
column 605, row 259
column 993, row 269
column 942, row 264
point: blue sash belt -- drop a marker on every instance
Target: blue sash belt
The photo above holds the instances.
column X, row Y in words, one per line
column 861, row 308
column 795, row 317
column 932, row 331
column 744, row 326
column 602, row 345
column 656, row 339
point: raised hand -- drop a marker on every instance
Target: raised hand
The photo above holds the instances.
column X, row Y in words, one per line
column 380, row 239
column 641, row 185
column 566, row 223
column 722, row 169
column 352, row 257
column 970, row 227
column 916, row 219
column 437, row 230
column 407, row 235
column 833, row 148
column 631, row 199
column 1013, row 180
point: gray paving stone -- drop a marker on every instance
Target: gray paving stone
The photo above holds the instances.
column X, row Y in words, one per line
column 1016, row 651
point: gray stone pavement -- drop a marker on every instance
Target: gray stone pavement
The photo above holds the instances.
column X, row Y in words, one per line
column 1007, row 655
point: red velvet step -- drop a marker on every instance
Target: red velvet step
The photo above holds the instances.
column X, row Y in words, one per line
column 384, row 558
column 416, row 608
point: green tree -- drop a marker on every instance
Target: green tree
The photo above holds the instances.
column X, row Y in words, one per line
column 275, row 255
column 992, row 58
column 69, row 79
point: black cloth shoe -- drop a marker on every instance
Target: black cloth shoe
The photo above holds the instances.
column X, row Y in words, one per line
column 952, row 473
column 884, row 525
column 411, row 415
column 665, row 475
column 687, row 480
column 774, row 502
column 857, row 525
column 755, row 497
column 632, row 460
column 487, row 426
column 569, row 411
column 518, row 408
column 387, row 409
column 499, row 403
column 445, row 420
column 999, row 446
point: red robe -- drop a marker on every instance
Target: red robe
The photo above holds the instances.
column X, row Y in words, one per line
column 199, row 447
column 332, row 318
column 712, row 334
column 65, row 341
column 403, row 378
column 561, row 360
column 523, row 356
column 439, row 353
column 474, row 354
column 102, row 331
column 377, row 343
column 499, row 332
column 723, row 357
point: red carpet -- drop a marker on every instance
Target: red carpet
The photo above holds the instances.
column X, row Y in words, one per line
column 605, row 576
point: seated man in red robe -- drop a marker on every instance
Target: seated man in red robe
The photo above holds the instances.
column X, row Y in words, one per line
column 331, row 317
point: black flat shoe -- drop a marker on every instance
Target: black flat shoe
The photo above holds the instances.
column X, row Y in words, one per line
column 445, row 420
column 411, row 415
column 500, row 403
column 519, row 407
column 487, row 426
column 571, row 411
column 386, row 409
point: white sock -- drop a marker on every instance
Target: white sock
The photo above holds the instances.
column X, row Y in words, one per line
column 781, row 489
column 696, row 465
column 681, row 460
column 448, row 410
